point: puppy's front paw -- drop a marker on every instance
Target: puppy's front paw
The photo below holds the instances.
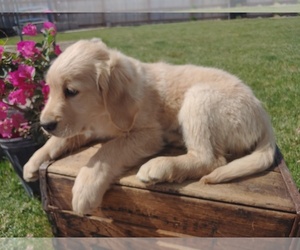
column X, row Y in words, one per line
column 87, row 191
column 212, row 178
column 159, row 169
column 204, row 180
column 30, row 171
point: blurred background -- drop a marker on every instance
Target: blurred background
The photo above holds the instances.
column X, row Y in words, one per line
column 78, row 14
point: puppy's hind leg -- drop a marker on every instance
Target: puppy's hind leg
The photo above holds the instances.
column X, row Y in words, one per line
column 200, row 158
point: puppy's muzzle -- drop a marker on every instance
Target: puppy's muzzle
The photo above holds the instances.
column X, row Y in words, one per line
column 49, row 126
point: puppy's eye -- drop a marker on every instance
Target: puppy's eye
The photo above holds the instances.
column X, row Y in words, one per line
column 70, row 92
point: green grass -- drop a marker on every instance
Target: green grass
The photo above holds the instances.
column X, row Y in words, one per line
column 265, row 53
column 20, row 215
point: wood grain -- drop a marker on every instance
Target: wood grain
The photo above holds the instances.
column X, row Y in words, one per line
column 71, row 224
column 263, row 205
column 264, row 190
column 174, row 213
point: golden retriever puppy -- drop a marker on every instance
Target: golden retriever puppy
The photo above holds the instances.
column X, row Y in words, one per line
column 137, row 108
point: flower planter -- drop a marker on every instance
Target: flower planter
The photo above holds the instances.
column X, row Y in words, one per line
column 18, row 151
column 23, row 93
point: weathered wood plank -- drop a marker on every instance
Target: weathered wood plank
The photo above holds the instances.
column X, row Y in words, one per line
column 71, row 224
column 264, row 190
column 266, row 204
column 169, row 212
column 194, row 216
column 294, row 193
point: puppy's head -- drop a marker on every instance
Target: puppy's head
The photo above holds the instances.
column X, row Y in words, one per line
column 87, row 83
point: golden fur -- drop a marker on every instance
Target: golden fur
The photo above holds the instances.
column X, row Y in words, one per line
column 100, row 93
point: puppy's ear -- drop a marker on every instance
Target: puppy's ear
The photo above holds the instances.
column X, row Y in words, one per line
column 120, row 92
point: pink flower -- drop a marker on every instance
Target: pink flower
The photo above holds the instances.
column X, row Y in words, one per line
column 14, row 78
column 27, row 49
column 29, row 30
column 19, row 96
column 6, row 128
column 17, row 119
column 3, row 110
column 22, row 76
column 45, row 91
column 2, row 87
column 57, row 50
column 1, row 52
column 26, row 71
column 50, row 27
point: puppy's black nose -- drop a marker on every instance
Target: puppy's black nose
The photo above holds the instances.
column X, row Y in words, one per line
column 49, row 126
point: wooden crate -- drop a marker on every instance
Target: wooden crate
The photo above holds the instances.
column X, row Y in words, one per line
column 264, row 205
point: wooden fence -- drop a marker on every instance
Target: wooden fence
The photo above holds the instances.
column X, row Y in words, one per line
column 125, row 5
column 73, row 14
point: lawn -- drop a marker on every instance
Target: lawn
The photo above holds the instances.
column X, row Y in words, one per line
column 265, row 53
column 20, row 216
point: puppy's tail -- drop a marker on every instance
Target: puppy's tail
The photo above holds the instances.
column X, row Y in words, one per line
column 259, row 160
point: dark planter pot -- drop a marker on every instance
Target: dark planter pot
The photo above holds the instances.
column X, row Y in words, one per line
column 18, row 151
column 1, row 154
